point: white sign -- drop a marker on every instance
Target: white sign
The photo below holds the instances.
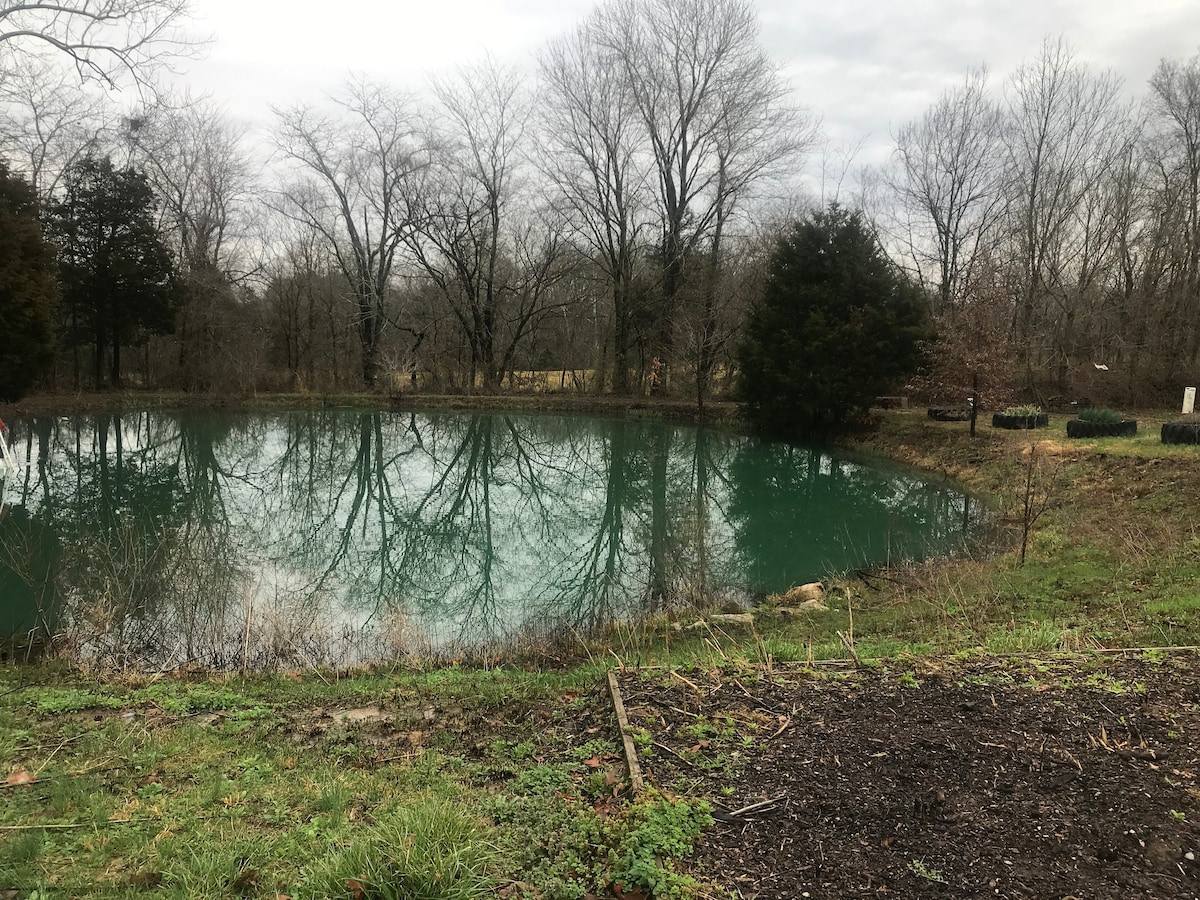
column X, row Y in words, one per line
column 1189, row 401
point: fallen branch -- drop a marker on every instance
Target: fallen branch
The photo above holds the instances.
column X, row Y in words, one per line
column 690, row 684
column 631, row 760
column 1068, row 758
column 1142, row 752
column 29, row 748
column 754, row 807
column 42, row 779
column 686, row 762
column 1152, row 755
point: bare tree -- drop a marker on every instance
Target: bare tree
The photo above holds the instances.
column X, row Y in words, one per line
column 106, row 39
column 589, row 123
column 755, row 135
column 1066, row 131
column 463, row 213
column 948, row 186
column 354, row 186
column 1091, row 252
column 1175, row 105
column 47, row 122
column 200, row 168
column 709, row 100
column 1085, row 240
column 304, row 307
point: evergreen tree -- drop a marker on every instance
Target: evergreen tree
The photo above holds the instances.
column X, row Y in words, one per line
column 837, row 325
column 28, row 290
column 119, row 279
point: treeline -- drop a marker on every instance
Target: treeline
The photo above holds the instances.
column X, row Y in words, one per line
column 1055, row 224
column 608, row 216
column 592, row 218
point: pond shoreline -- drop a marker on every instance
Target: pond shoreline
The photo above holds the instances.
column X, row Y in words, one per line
column 999, row 713
column 718, row 412
column 448, row 532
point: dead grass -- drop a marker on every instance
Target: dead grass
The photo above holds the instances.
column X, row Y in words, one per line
column 1112, row 560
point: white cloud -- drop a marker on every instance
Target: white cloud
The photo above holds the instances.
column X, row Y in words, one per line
column 864, row 66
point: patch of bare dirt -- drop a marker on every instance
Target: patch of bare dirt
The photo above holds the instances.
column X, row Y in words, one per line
column 1002, row 780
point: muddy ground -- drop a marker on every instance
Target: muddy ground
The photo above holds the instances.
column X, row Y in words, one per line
column 1030, row 779
column 1018, row 777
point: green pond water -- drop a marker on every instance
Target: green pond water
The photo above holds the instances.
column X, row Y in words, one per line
column 335, row 536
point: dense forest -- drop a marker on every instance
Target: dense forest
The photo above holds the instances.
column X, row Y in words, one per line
column 601, row 219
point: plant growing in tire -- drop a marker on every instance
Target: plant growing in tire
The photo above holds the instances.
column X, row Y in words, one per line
column 1100, row 422
column 1182, row 431
column 1021, row 417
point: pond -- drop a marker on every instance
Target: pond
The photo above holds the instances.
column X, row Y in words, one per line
column 335, row 536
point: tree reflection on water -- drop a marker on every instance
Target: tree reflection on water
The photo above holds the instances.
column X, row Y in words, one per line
column 332, row 537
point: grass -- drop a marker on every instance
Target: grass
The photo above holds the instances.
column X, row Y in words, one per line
column 476, row 782
column 429, row 848
column 502, row 780
column 1027, row 410
column 1111, row 562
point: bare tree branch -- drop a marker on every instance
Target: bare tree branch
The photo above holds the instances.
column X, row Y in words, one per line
column 106, row 39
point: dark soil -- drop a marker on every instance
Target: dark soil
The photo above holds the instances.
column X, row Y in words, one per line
column 1029, row 779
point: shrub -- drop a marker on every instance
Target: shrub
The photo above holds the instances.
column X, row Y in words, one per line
column 1100, row 415
column 1027, row 410
column 837, row 325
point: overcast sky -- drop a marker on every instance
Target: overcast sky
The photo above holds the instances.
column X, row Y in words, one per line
column 863, row 66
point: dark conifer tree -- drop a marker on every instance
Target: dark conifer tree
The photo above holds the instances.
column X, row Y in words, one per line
column 119, row 279
column 28, row 289
column 837, row 325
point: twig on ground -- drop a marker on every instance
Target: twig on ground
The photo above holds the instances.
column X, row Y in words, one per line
column 689, row 683
column 755, row 807
column 686, row 762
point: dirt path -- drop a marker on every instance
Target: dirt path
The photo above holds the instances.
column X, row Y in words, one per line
column 1003, row 780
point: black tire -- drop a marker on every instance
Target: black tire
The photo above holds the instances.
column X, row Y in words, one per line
column 1000, row 420
column 949, row 414
column 1181, row 433
column 1077, row 428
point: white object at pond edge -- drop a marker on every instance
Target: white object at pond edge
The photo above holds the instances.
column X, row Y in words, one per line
column 8, row 465
column 1189, row 400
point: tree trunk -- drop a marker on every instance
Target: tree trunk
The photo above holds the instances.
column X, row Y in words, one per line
column 115, row 367
column 620, row 338
column 98, row 360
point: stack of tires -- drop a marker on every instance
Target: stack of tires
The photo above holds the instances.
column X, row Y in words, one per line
column 1078, row 428
column 1181, row 433
column 1004, row 420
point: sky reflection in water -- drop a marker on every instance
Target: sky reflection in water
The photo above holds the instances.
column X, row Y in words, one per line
column 339, row 536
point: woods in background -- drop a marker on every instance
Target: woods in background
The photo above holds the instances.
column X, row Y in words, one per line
column 605, row 221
